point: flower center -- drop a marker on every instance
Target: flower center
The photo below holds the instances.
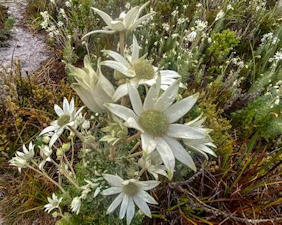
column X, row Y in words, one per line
column 130, row 189
column 154, row 122
column 63, row 120
column 144, row 69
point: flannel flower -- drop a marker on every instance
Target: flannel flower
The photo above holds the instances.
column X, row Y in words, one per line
column 67, row 117
column 126, row 21
column 23, row 158
column 156, row 118
column 130, row 192
column 202, row 146
column 138, row 70
column 54, row 203
column 92, row 87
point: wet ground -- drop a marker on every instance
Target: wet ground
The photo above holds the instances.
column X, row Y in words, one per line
column 24, row 45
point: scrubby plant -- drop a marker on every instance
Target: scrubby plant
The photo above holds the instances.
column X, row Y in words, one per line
column 6, row 25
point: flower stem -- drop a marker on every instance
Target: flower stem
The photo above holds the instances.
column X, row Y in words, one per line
column 121, row 42
column 112, row 153
column 135, row 154
column 132, row 138
column 49, row 178
column 92, row 145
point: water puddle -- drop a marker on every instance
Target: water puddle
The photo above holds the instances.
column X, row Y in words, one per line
column 24, row 45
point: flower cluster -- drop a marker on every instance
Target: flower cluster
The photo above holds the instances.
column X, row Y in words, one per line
column 137, row 105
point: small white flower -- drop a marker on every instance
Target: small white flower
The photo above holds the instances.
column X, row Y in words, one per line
column 54, row 203
column 139, row 70
column 220, row 15
column 67, row 117
column 230, row 7
column 22, row 159
column 126, row 21
column 68, row 4
column 93, row 88
column 60, row 24
column 156, row 118
column 86, row 124
column 130, row 192
column 153, row 164
column 75, row 205
column 192, row 36
column 45, row 153
column 201, row 25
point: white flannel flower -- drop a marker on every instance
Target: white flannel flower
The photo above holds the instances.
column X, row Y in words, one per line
column 202, row 145
column 220, row 15
column 156, row 118
column 139, row 70
column 201, row 25
column 153, row 164
column 45, row 153
column 22, row 159
column 54, row 203
column 192, row 36
column 67, row 117
column 93, row 88
column 126, row 21
column 130, row 192
column 75, row 205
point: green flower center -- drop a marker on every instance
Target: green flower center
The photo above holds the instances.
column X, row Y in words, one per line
column 144, row 69
column 63, row 120
column 130, row 189
column 154, row 122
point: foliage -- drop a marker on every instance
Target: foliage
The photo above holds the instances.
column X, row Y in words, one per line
column 6, row 25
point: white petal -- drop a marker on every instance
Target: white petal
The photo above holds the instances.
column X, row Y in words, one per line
column 166, row 155
column 135, row 50
column 58, row 110
column 135, row 99
column 146, row 197
column 121, row 111
column 184, row 131
column 141, row 9
column 88, row 99
column 130, row 211
column 180, row 153
column 116, row 56
column 130, row 16
column 123, row 207
column 119, row 67
column 66, row 106
column 99, row 31
column 152, row 95
column 148, row 143
column 115, row 203
column 112, row 191
column 148, row 185
column 53, row 139
column 132, row 123
column 113, row 180
column 168, row 97
column 140, row 20
column 169, row 74
column 48, row 129
column 150, row 82
column 71, row 108
column 206, row 149
column 179, row 109
column 97, row 191
column 120, row 92
column 104, row 16
column 142, row 205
